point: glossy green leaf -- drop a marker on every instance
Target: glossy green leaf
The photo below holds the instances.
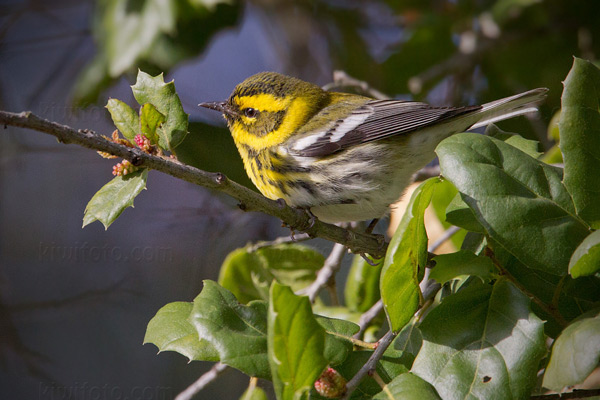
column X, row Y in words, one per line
column 520, row 201
column 248, row 274
column 150, row 121
column 236, row 331
column 337, row 343
column 124, row 117
column 362, row 285
column 585, row 260
column 407, row 252
column 296, row 342
column 482, row 342
column 529, row 147
column 463, row 262
column 162, row 95
column 170, row 330
column 575, row 353
column 114, row 197
column 579, row 128
column 408, row 387
column 458, row 213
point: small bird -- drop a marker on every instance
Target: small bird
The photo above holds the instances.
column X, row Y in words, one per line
column 343, row 157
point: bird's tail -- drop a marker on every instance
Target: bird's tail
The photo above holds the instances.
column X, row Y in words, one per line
column 509, row 107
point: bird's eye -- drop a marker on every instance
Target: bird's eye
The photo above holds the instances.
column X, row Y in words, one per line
column 250, row 112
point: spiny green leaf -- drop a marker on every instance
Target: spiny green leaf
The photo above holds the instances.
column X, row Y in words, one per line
column 114, row 197
column 520, row 201
column 579, row 128
column 150, row 121
column 296, row 343
column 482, row 342
column 170, row 330
column 236, row 331
column 124, row 118
column 406, row 253
column 162, row 95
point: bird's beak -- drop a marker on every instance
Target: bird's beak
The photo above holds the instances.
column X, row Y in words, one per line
column 220, row 106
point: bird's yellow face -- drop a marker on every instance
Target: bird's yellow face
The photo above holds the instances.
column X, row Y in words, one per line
column 267, row 108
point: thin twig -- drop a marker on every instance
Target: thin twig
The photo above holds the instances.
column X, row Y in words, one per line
column 355, row 341
column 382, row 346
column 297, row 219
column 331, row 265
column 201, row 383
column 548, row 309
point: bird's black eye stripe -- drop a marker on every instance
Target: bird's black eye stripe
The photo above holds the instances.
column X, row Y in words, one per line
column 250, row 112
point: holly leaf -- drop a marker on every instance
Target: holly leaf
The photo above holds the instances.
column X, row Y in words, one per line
column 579, row 129
column 482, row 342
column 170, row 330
column 150, row 122
column 163, row 97
column 296, row 343
column 114, row 197
column 124, row 118
column 238, row 332
column 406, row 252
column 519, row 201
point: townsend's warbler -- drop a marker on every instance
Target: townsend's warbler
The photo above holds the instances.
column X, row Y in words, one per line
column 343, row 156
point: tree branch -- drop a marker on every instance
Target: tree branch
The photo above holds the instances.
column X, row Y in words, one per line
column 382, row 346
column 249, row 200
column 201, row 383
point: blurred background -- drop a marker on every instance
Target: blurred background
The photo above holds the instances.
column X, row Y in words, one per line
column 74, row 303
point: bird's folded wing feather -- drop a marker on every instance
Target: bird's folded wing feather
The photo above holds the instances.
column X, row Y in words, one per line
column 374, row 120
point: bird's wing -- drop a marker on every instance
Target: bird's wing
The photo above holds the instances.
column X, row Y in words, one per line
column 374, row 120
